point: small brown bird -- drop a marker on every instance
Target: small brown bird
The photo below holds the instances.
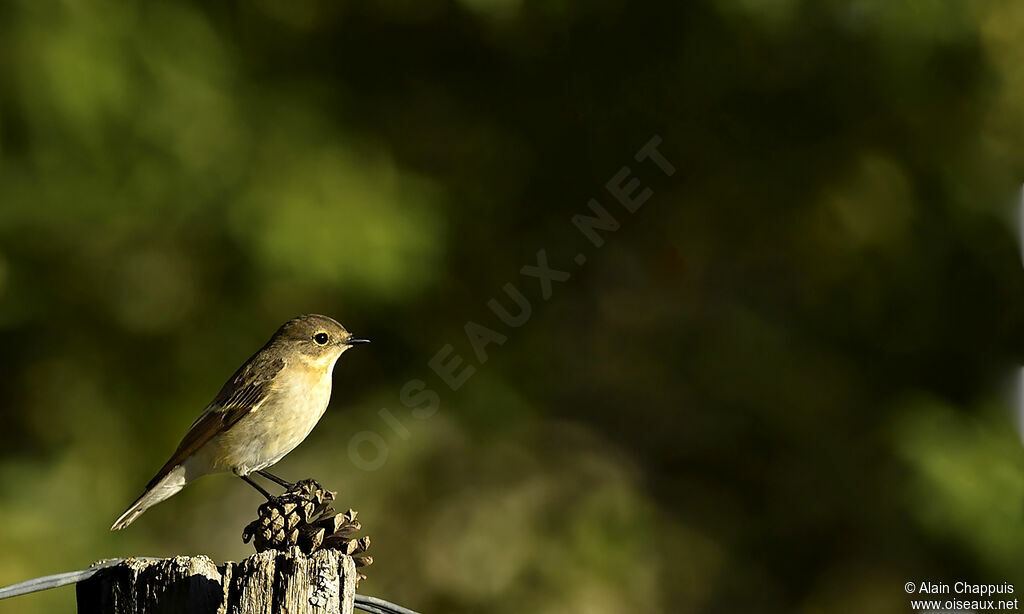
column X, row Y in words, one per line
column 266, row 409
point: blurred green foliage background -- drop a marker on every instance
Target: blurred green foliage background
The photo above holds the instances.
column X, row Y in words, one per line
column 780, row 386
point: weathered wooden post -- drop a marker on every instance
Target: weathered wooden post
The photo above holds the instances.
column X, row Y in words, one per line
column 306, row 563
column 270, row 582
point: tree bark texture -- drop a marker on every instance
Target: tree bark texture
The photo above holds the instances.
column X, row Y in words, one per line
column 271, row 582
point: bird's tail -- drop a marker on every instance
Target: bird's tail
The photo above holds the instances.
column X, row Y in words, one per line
column 162, row 489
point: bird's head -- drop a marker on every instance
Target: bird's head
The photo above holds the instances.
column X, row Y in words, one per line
column 316, row 337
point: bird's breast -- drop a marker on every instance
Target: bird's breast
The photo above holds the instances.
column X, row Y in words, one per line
column 293, row 407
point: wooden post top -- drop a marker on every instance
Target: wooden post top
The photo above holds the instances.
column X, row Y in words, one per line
column 270, row 582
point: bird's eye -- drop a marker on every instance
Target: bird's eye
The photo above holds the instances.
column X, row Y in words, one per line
column 320, row 338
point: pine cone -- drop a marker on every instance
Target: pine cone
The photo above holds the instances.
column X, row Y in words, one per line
column 303, row 517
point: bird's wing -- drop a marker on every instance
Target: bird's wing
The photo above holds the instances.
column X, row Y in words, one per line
column 243, row 393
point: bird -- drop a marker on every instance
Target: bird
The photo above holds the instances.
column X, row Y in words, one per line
column 262, row 412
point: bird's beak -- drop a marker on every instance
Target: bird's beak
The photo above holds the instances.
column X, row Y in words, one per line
column 355, row 340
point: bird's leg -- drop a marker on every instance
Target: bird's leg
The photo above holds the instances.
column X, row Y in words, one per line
column 257, row 487
column 270, row 476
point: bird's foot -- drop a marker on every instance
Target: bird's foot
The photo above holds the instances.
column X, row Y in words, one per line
column 279, row 481
column 303, row 517
column 311, row 489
